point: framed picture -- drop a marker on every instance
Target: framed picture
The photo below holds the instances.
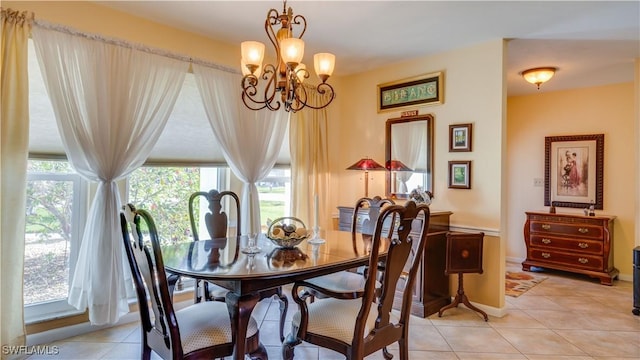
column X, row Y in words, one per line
column 423, row 89
column 573, row 171
column 460, row 137
column 460, row 174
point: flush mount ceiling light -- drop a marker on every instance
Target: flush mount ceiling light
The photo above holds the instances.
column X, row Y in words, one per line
column 539, row 75
column 286, row 76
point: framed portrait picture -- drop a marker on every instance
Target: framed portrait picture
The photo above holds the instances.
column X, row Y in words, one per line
column 460, row 137
column 460, row 174
column 573, row 171
column 419, row 90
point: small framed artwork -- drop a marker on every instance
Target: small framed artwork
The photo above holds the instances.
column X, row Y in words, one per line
column 420, row 90
column 460, row 137
column 573, row 171
column 460, row 174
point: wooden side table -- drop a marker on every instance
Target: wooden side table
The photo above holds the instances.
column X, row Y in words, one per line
column 464, row 255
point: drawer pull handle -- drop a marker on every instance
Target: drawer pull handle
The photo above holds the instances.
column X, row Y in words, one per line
column 583, row 230
column 546, row 226
column 546, row 255
column 583, row 245
column 583, row 260
column 546, row 241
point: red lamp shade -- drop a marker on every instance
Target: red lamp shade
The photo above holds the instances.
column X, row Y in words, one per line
column 397, row 165
column 366, row 164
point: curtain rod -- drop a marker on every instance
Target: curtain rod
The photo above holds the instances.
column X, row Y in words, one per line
column 129, row 45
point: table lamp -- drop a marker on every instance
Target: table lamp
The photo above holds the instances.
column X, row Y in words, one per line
column 366, row 165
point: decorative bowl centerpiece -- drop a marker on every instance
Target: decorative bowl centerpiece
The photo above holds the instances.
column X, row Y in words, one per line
column 287, row 232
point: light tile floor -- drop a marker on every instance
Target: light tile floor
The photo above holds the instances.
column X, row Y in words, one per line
column 566, row 317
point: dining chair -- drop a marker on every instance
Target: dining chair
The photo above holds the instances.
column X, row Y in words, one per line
column 199, row 331
column 359, row 327
column 216, row 221
column 350, row 283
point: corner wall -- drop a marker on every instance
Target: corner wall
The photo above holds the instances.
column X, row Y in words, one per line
column 608, row 110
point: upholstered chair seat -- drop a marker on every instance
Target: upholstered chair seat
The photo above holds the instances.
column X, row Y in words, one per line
column 207, row 324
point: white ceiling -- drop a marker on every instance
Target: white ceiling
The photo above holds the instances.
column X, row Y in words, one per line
column 591, row 42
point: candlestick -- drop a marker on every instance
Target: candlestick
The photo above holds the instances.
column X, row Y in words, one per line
column 315, row 210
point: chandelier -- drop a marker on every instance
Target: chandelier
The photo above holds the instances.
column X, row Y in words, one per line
column 282, row 82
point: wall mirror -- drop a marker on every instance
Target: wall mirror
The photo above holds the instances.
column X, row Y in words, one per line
column 409, row 155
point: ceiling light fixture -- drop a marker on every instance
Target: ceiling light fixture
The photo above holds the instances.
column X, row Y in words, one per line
column 287, row 75
column 539, row 75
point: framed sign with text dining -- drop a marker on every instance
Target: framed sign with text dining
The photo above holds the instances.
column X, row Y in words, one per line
column 423, row 89
column 573, row 171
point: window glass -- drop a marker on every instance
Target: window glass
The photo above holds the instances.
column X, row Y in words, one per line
column 275, row 195
column 54, row 220
column 164, row 191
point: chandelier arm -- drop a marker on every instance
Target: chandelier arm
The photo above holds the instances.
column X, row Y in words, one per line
column 271, row 88
column 273, row 18
column 300, row 20
column 250, row 91
column 322, row 89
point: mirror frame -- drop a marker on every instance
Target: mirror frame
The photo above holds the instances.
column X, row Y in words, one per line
column 429, row 148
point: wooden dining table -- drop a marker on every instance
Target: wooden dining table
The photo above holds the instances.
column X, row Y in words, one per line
column 222, row 262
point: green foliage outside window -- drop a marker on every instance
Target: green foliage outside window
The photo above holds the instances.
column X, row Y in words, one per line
column 164, row 192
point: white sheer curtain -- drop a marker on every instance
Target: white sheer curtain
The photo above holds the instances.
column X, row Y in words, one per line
column 111, row 104
column 250, row 140
column 412, row 137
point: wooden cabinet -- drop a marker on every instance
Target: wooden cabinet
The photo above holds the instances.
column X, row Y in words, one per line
column 576, row 243
column 431, row 290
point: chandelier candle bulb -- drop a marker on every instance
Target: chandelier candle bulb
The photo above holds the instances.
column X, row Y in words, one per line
column 324, row 63
column 292, row 50
column 252, row 53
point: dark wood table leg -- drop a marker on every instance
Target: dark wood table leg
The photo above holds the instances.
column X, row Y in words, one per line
column 461, row 298
column 240, row 308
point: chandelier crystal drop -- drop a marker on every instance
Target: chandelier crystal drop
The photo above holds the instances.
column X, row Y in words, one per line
column 273, row 85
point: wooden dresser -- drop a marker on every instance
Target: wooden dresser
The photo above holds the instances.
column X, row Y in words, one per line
column 576, row 243
column 431, row 290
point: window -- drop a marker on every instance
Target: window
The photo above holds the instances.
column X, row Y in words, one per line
column 55, row 215
column 275, row 195
column 164, row 191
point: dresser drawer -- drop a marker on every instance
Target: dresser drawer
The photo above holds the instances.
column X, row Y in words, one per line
column 557, row 243
column 583, row 261
column 574, row 229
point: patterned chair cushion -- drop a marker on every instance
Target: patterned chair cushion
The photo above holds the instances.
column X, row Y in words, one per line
column 205, row 324
column 343, row 281
column 336, row 318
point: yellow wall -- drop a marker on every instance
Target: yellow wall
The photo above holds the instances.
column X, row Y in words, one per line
column 608, row 110
column 473, row 93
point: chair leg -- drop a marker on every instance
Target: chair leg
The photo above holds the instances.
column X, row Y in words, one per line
column 404, row 348
column 387, row 355
column 259, row 354
column 284, row 305
column 288, row 346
